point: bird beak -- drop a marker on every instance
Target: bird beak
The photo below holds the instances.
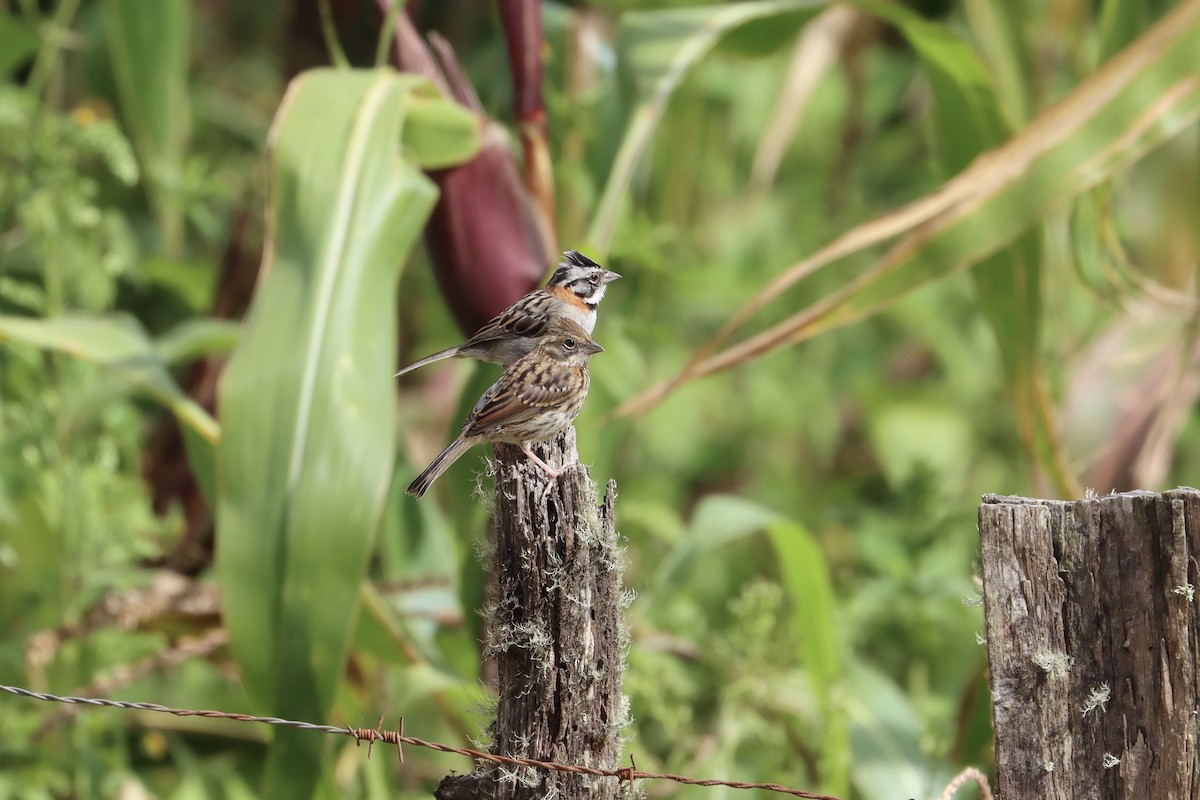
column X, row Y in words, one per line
column 610, row 276
column 592, row 347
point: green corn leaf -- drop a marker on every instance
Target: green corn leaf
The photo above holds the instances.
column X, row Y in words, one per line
column 662, row 46
column 717, row 521
column 441, row 133
column 18, row 43
column 119, row 343
column 196, row 338
column 805, row 575
column 306, row 403
column 968, row 121
column 886, row 737
column 1146, row 95
column 148, row 44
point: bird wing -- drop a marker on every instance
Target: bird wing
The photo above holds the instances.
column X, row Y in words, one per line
column 518, row 399
column 528, row 317
column 496, row 410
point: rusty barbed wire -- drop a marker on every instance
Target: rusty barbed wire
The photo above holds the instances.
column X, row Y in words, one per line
column 968, row 775
column 398, row 739
column 125, row 674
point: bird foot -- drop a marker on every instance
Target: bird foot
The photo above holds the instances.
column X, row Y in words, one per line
column 551, row 473
column 552, row 478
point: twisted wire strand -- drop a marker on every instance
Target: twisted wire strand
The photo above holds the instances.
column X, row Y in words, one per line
column 399, row 739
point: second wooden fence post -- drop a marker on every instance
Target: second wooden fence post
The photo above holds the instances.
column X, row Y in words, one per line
column 1093, row 640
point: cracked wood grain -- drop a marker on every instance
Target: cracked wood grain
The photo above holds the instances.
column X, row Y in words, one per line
column 1092, row 638
column 554, row 631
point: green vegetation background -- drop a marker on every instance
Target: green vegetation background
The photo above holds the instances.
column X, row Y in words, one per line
column 800, row 527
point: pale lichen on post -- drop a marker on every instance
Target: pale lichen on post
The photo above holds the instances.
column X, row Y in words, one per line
column 1098, row 697
column 1055, row 665
column 555, row 631
column 1093, row 641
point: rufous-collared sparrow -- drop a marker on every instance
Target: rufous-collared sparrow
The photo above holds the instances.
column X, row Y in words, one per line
column 573, row 292
column 536, row 398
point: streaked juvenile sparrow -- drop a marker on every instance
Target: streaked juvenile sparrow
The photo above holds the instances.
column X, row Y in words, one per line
column 573, row 292
column 535, row 399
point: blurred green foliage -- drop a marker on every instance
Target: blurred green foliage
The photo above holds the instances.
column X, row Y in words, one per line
column 800, row 528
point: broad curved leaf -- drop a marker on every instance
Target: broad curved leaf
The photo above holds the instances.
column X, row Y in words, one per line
column 805, row 575
column 149, row 48
column 119, row 343
column 306, row 404
column 968, row 121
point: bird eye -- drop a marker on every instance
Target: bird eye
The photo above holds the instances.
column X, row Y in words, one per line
column 569, row 344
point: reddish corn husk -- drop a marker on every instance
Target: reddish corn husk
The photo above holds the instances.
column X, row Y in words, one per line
column 487, row 242
column 483, row 238
column 522, row 21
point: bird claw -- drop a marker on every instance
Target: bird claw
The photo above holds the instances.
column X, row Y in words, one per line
column 551, row 473
column 552, row 479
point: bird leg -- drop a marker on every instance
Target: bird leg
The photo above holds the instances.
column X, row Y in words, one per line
column 550, row 471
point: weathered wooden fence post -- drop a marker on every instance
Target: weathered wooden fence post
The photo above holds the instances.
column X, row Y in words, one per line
column 1093, row 640
column 555, row 632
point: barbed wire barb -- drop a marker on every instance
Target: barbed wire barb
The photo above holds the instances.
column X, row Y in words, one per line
column 400, row 742
column 627, row 774
column 398, row 738
column 371, row 744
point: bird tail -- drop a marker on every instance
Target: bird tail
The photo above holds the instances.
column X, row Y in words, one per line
column 449, row 352
column 440, row 464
